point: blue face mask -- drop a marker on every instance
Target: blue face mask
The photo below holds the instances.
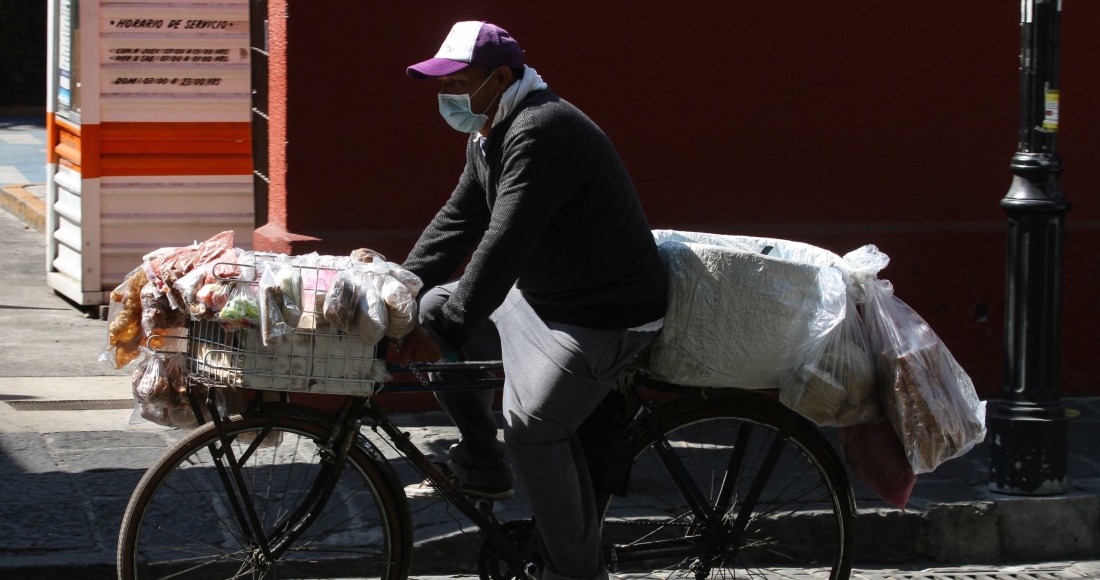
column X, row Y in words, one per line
column 458, row 114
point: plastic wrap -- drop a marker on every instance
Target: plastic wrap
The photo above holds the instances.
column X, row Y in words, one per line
column 371, row 317
column 242, row 308
column 159, row 378
column 737, row 304
column 366, row 256
column 276, row 291
column 401, row 308
column 408, row 279
column 176, row 410
column 341, row 300
column 125, row 334
column 831, row 376
column 157, row 312
column 927, row 397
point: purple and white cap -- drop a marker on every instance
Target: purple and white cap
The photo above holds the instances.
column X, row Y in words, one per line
column 469, row 43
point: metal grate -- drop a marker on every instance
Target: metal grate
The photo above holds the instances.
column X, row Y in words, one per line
column 1049, row 571
column 77, row 405
column 971, row 573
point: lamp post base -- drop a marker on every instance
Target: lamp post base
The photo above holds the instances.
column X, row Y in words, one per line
column 1028, row 448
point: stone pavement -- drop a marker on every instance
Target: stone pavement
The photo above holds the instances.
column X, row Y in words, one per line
column 66, row 475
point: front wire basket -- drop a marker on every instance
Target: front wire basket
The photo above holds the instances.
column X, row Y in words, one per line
column 315, row 357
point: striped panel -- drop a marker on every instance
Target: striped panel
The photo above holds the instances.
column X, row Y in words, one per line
column 141, row 214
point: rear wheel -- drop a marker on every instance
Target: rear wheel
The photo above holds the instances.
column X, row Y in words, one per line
column 182, row 523
column 803, row 518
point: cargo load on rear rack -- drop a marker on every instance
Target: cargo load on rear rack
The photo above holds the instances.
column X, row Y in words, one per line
column 761, row 313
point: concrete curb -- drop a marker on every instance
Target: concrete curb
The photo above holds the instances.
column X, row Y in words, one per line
column 1003, row 530
column 16, row 200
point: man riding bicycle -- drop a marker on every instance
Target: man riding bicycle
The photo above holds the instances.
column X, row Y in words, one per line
column 565, row 268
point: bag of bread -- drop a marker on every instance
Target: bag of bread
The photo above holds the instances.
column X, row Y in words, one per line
column 342, row 300
column 273, row 299
column 125, row 334
column 398, row 296
column 372, row 316
column 927, row 397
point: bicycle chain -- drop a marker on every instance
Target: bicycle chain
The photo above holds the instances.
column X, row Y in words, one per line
column 416, row 373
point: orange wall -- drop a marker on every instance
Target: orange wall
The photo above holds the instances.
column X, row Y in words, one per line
column 839, row 124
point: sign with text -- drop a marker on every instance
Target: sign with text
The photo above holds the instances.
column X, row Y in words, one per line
column 173, row 61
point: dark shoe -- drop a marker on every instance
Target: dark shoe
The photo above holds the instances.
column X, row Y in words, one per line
column 426, row 490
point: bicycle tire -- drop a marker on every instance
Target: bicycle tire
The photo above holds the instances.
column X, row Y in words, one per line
column 181, row 524
column 804, row 518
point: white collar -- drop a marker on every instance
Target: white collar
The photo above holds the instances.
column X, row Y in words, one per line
column 515, row 94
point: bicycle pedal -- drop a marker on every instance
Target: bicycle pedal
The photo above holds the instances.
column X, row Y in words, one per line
column 485, row 506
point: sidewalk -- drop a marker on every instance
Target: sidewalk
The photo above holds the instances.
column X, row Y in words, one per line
column 66, row 475
column 74, row 471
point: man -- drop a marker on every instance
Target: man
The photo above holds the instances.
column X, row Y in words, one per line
column 565, row 267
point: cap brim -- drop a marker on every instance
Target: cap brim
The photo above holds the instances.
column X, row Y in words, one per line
column 435, row 67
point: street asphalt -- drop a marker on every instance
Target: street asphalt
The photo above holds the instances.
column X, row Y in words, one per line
column 66, row 475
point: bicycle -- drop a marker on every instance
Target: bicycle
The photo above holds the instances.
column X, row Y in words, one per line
column 717, row 482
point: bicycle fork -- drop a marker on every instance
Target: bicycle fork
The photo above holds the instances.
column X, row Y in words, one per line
column 269, row 548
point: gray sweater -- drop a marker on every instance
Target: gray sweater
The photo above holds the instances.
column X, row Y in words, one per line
column 550, row 208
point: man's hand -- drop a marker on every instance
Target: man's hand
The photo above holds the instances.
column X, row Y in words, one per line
column 420, row 346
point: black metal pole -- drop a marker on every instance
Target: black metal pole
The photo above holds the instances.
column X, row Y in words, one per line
column 1027, row 428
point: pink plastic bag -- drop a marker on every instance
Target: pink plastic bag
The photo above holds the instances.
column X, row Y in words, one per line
column 878, row 459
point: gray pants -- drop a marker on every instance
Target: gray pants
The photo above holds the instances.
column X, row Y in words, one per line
column 556, row 374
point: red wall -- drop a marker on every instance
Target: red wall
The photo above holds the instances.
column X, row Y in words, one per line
column 839, row 124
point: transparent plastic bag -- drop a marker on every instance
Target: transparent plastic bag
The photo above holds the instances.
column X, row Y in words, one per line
column 157, row 312
column 830, row 377
column 242, row 308
column 177, row 412
column 371, row 317
column 401, row 307
column 342, row 300
column 399, row 303
column 273, row 325
column 927, row 397
column 289, row 280
column 159, row 378
column 410, row 280
column 215, row 296
column 125, row 334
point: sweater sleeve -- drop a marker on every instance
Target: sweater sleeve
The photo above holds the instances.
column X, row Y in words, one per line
column 452, row 233
column 537, row 166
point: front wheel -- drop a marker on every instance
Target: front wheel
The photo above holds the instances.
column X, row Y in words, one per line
column 183, row 522
column 803, row 519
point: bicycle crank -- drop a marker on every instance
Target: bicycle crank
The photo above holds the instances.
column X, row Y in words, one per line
column 491, row 566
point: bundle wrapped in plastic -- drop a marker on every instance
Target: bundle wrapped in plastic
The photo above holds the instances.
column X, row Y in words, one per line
column 762, row 313
column 396, row 287
column 927, row 397
column 354, row 306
